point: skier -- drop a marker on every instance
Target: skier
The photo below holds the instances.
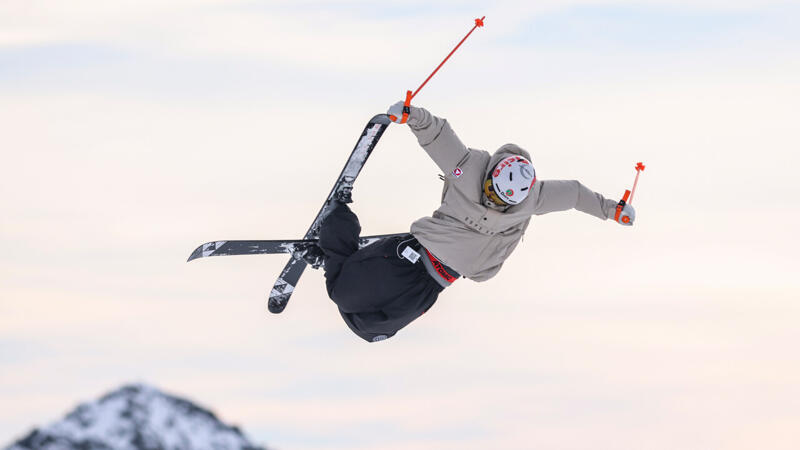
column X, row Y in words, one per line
column 487, row 204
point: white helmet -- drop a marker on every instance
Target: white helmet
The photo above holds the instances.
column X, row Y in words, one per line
column 511, row 180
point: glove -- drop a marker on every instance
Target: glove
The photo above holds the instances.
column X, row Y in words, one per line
column 627, row 215
column 395, row 112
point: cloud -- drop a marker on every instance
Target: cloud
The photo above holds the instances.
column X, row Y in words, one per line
column 137, row 130
column 347, row 36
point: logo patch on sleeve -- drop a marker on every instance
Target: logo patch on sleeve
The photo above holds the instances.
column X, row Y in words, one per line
column 457, row 172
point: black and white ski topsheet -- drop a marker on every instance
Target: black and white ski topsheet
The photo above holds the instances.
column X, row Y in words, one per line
column 284, row 286
column 295, row 247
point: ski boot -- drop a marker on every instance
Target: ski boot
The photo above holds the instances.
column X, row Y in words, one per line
column 345, row 192
column 312, row 254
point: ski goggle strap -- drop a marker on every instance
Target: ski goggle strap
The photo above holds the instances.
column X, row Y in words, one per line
column 488, row 189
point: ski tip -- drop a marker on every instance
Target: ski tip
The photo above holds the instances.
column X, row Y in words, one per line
column 276, row 305
column 197, row 253
column 207, row 249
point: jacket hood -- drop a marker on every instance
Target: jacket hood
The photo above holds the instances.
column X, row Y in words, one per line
column 502, row 153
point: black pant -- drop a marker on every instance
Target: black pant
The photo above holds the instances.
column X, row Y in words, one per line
column 377, row 291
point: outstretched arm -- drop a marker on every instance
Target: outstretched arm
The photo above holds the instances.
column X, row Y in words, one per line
column 561, row 195
column 436, row 138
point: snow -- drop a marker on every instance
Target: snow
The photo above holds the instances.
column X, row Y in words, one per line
column 137, row 417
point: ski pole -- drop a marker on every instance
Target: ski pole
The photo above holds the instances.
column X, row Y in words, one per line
column 410, row 95
column 628, row 196
column 639, row 169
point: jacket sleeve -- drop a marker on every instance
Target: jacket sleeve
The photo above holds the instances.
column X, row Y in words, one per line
column 437, row 139
column 561, row 195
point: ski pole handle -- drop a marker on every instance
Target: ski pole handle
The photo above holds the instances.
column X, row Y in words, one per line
column 406, row 109
column 621, row 206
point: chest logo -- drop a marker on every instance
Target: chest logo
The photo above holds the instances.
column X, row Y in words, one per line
column 457, row 172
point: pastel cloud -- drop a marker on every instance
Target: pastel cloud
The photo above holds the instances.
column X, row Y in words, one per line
column 140, row 129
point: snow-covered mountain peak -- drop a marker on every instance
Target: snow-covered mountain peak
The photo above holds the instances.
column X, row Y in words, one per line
column 137, row 417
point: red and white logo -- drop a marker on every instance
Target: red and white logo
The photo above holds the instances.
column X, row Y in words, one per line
column 457, row 172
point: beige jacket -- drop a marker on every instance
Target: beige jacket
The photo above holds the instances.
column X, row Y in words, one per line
column 470, row 233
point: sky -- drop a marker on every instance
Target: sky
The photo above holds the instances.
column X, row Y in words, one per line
column 133, row 131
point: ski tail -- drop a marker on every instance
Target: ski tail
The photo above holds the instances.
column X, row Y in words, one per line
column 284, row 285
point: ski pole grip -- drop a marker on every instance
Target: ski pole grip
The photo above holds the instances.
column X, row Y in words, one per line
column 621, row 205
column 407, row 107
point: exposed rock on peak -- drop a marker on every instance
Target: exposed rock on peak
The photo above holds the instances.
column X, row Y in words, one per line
column 137, row 417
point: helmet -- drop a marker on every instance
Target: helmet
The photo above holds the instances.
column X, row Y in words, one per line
column 510, row 181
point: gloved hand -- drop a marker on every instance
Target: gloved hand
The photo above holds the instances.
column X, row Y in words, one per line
column 627, row 216
column 395, row 112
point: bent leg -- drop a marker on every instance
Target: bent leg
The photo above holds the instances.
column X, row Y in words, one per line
column 372, row 278
column 338, row 239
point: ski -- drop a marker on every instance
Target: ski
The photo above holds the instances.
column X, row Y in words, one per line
column 296, row 247
column 286, row 282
